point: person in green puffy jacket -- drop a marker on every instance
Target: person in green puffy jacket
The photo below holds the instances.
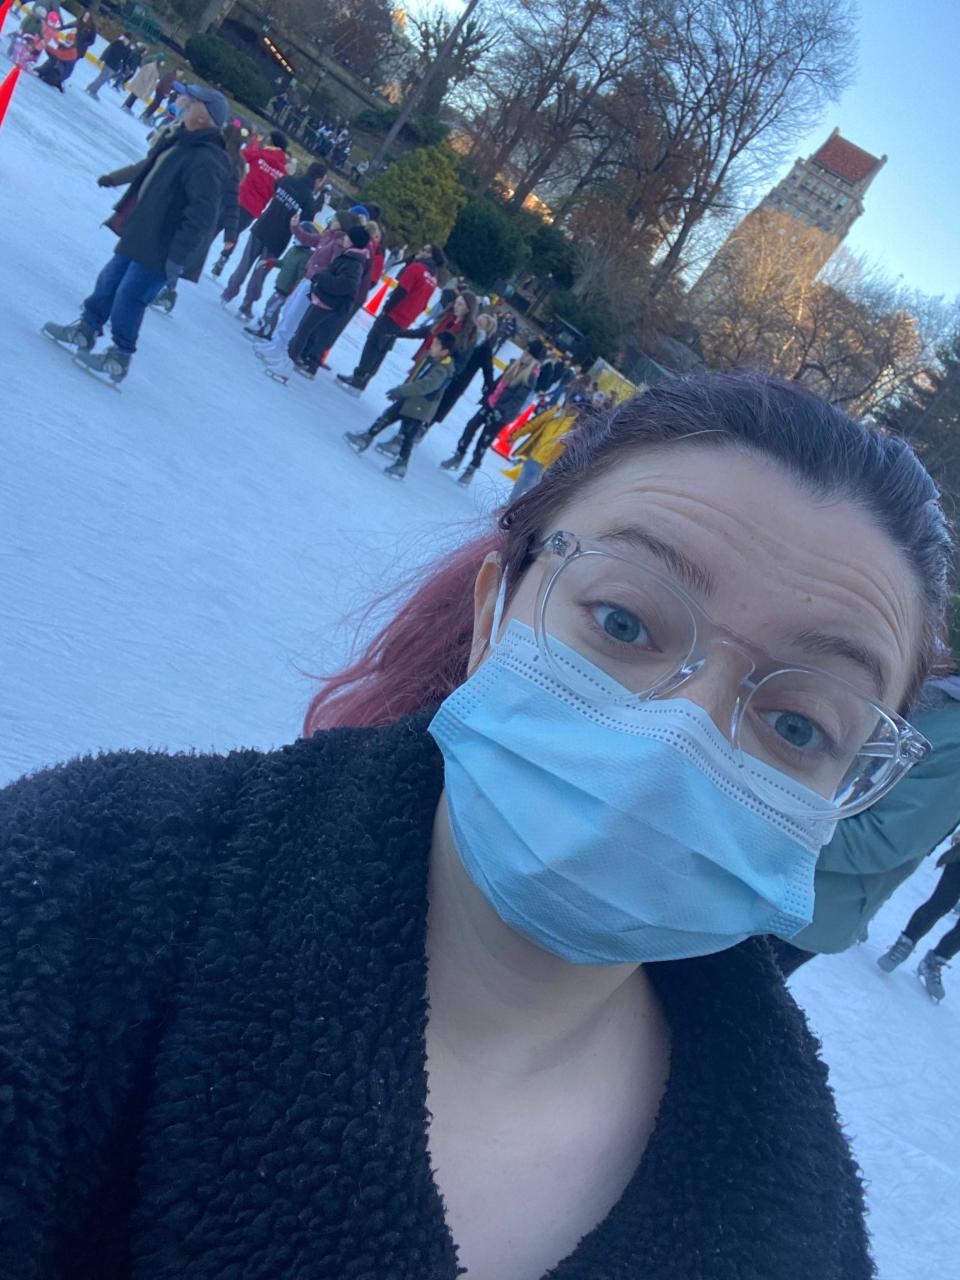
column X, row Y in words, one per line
column 872, row 853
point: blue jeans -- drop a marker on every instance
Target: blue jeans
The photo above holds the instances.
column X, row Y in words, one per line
column 121, row 295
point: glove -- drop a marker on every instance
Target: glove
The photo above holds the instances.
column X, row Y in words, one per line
column 173, row 271
column 393, row 393
column 104, row 180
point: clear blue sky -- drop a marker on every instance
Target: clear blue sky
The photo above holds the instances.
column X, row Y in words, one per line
column 905, row 104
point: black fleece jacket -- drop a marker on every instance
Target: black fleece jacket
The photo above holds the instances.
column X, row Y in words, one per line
column 212, row 1062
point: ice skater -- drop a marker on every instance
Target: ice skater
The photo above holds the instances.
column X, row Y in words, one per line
column 943, row 899
column 332, row 294
column 165, row 220
column 415, row 403
column 501, row 406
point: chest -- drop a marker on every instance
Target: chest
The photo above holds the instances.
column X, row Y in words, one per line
column 525, row 1177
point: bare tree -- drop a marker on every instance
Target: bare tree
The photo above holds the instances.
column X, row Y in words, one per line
column 475, row 42
column 736, row 81
column 848, row 333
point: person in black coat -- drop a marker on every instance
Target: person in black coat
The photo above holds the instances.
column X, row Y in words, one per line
column 113, row 59
column 131, row 64
column 165, row 221
column 467, row 979
column 297, row 197
column 480, row 359
column 332, row 294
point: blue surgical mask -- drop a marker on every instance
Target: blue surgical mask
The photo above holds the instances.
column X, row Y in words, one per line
column 609, row 834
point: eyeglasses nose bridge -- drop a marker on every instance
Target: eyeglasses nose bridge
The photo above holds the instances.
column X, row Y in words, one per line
column 732, row 643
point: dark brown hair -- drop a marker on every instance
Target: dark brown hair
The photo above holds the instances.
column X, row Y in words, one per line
column 421, row 655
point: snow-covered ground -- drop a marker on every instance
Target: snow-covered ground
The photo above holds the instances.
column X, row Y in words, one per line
column 175, row 558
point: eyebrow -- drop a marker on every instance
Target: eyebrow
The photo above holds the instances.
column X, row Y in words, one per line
column 824, row 642
column 690, row 573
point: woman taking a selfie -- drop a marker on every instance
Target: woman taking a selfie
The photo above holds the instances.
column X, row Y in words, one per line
column 468, row 980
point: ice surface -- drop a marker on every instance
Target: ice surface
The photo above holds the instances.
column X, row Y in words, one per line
column 173, row 559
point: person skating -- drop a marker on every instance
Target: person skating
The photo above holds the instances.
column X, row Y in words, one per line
column 415, row 403
column 266, row 166
column 460, row 319
column 332, row 292
column 61, row 55
column 497, row 409
column 943, row 899
column 411, row 294
column 292, row 267
column 538, row 445
column 165, row 220
column 112, row 60
column 479, row 360
column 29, row 32
column 325, row 246
column 144, row 83
column 169, row 81
column 506, row 328
column 135, row 54
column 299, row 197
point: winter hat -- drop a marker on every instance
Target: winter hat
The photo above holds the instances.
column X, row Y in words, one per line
column 359, row 237
column 361, row 209
column 537, row 349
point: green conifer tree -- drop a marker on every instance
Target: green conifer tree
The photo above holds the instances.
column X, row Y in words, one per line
column 420, row 195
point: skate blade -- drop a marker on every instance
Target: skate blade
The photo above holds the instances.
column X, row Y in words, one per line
column 103, row 378
column 64, row 346
column 392, row 475
column 276, row 377
column 348, row 390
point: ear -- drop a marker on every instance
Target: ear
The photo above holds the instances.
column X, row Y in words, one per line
column 485, row 591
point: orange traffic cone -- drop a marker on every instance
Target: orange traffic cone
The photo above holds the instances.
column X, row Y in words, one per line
column 6, row 90
column 374, row 304
column 502, row 443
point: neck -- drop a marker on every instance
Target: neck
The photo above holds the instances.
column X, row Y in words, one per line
column 504, row 1005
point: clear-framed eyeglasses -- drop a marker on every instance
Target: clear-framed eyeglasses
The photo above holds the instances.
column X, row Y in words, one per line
column 649, row 636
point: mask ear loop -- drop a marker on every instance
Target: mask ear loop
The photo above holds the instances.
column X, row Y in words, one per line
column 498, row 610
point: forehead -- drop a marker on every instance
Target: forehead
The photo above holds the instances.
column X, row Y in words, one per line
column 781, row 561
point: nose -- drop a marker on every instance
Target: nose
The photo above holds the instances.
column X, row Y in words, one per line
column 716, row 686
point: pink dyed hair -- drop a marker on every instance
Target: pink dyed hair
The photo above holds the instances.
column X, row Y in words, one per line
column 421, row 655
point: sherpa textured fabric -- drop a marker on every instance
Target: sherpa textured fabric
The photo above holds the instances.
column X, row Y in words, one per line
column 212, row 1063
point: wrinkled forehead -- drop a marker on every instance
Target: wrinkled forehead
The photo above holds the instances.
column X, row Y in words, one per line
column 764, row 554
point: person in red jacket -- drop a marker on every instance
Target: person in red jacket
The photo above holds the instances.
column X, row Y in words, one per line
column 266, row 165
column 413, row 291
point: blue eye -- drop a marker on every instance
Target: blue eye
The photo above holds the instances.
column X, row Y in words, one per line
column 796, row 730
column 621, row 625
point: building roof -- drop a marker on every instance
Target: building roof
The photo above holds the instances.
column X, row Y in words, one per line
column 845, row 160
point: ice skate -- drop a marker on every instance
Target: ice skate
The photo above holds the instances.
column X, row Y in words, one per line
column 75, row 337
column 165, row 301
column 257, row 333
column 347, row 382
column 245, row 313
column 390, row 448
column 930, row 973
column 277, row 373
column 111, row 366
column 397, row 470
column 899, row 952
column 359, row 441
column 453, row 462
column 468, row 475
